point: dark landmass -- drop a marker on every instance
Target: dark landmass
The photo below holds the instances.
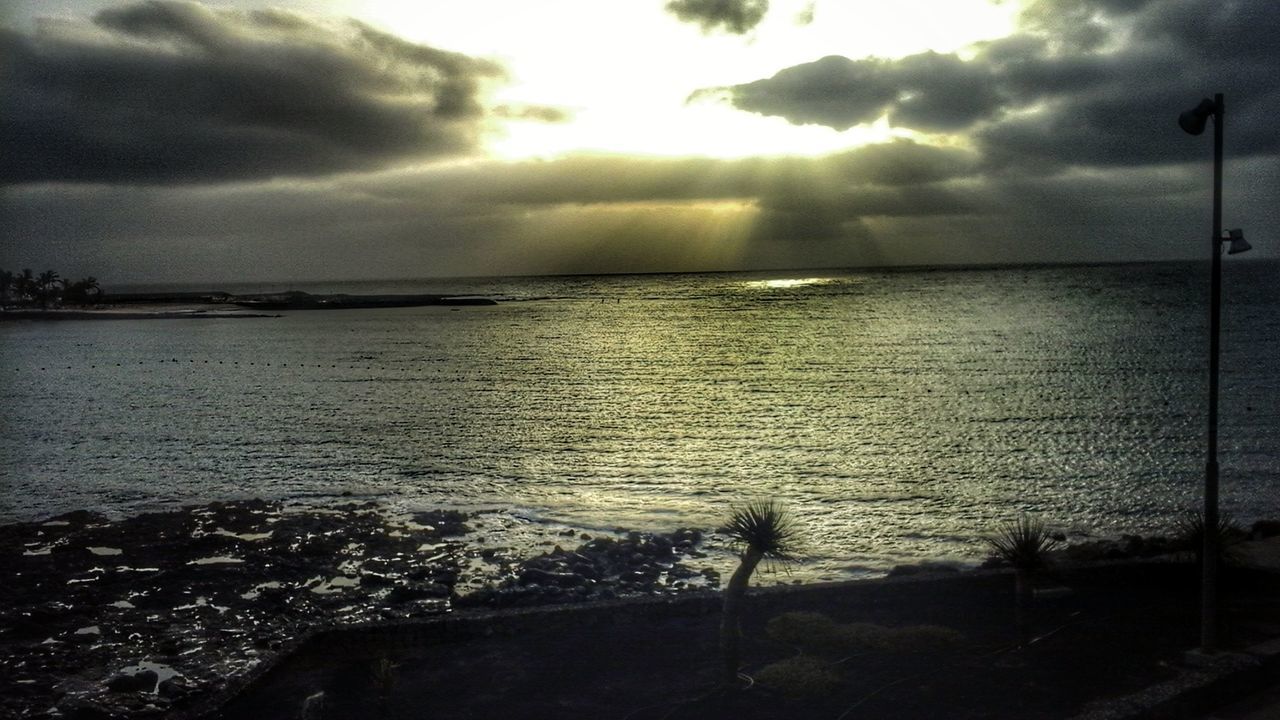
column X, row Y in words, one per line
column 293, row 300
column 351, row 611
column 116, row 313
column 296, row 300
column 209, row 305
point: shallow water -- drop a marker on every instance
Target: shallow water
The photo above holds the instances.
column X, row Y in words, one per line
column 900, row 414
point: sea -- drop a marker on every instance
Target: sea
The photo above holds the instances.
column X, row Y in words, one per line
column 900, row 415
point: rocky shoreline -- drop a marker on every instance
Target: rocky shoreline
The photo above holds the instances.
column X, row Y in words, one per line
column 143, row 616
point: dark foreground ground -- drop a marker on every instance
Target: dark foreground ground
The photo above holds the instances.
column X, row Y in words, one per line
column 256, row 610
column 1108, row 631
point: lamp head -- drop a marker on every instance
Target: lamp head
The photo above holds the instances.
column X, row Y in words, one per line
column 1194, row 120
column 1238, row 243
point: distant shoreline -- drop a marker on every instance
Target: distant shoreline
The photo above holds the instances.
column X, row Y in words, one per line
column 214, row 312
column 217, row 305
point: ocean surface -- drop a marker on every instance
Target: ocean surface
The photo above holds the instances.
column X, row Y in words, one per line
column 900, row 414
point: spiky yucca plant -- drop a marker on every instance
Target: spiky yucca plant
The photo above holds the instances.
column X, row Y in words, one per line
column 1189, row 533
column 764, row 530
column 1023, row 543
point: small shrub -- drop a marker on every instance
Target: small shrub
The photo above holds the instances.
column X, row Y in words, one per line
column 801, row 629
column 799, row 676
column 864, row 637
column 818, row 634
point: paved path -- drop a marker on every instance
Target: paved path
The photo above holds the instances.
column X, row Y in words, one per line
column 1265, row 704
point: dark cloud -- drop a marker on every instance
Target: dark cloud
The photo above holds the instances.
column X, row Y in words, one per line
column 927, row 91
column 175, row 91
column 733, row 16
column 903, row 162
column 1117, row 107
column 1092, row 82
column 588, row 179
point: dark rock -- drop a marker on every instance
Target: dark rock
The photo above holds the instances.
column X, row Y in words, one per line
column 545, row 578
column 924, row 568
column 144, row 681
column 686, row 537
column 445, row 576
column 376, row 580
column 83, row 709
column 173, row 688
column 446, row 522
column 1264, row 529
column 417, row 591
column 79, row 518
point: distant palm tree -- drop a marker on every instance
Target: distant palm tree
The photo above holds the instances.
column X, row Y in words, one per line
column 764, row 530
column 82, row 291
column 45, row 285
column 92, row 289
column 25, row 285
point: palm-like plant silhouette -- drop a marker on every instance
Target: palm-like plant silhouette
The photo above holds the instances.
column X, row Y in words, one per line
column 1189, row 530
column 82, row 291
column 764, row 530
column 24, row 285
column 1023, row 543
column 45, row 285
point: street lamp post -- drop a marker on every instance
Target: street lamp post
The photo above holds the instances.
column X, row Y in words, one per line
column 1193, row 122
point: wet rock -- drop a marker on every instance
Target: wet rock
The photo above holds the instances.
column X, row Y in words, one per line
column 447, row 523
column 78, row 518
column 173, row 688
column 375, row 580
column 417, row 591
column 536, row 576
column 142, row 681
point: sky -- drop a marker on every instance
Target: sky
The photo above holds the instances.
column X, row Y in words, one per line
column 173, row 141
